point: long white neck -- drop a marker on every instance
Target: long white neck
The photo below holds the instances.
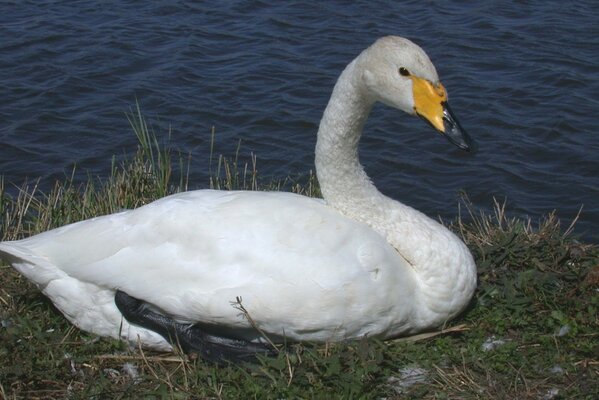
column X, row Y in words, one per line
column 440, row 260
column 343, row 182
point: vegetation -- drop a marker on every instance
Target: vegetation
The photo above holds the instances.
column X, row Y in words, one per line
column 530, row 332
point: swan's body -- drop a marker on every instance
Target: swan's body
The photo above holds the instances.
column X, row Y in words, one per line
column 358, row 263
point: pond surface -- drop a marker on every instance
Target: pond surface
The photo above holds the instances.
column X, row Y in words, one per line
column 523, row 79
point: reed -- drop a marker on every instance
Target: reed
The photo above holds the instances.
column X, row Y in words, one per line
column 530, row 332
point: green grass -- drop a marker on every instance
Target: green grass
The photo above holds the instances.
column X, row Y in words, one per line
column 535, row 309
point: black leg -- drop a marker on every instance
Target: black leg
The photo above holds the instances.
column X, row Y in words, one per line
column 191, row 338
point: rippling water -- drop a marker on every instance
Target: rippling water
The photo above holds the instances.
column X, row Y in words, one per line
column 523, row 78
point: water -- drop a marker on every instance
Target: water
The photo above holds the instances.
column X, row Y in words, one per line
column 523, row 78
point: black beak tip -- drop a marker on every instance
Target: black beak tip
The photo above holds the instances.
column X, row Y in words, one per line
column 463, row 142
column 455, row 133
column 472, row 147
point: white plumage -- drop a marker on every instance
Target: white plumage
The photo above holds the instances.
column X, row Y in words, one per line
column 357, row 263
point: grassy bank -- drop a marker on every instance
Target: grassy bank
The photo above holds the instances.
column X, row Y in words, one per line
column 530, row 332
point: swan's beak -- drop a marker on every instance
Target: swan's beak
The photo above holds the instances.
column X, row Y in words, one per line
column 430, row 104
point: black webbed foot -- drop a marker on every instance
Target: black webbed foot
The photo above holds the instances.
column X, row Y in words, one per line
column 191, row 338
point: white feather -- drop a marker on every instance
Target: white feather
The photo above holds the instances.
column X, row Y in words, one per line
column 358, row 264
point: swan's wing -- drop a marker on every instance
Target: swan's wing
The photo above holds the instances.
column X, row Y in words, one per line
column 194, row 253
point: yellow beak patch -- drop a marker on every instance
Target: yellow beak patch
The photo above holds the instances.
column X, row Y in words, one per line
column 428, row 101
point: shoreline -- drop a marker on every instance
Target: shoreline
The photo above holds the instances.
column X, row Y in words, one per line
column 530, row 331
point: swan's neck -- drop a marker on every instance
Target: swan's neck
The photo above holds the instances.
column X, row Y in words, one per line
column 343, row 182
column 441, row 262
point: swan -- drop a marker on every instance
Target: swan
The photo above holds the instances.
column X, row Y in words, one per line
column 352, row 264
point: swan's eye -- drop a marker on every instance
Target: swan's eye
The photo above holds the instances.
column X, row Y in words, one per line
column 404, row 72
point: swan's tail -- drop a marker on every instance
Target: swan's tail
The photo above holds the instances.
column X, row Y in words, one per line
column 88, row 306
column 35, row 268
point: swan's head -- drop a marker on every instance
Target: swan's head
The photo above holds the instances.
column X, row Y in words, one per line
column 398, row 73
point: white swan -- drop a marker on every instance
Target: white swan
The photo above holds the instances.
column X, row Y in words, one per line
column 357, row 263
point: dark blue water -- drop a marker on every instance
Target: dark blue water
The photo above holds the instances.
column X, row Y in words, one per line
column 523, row 77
